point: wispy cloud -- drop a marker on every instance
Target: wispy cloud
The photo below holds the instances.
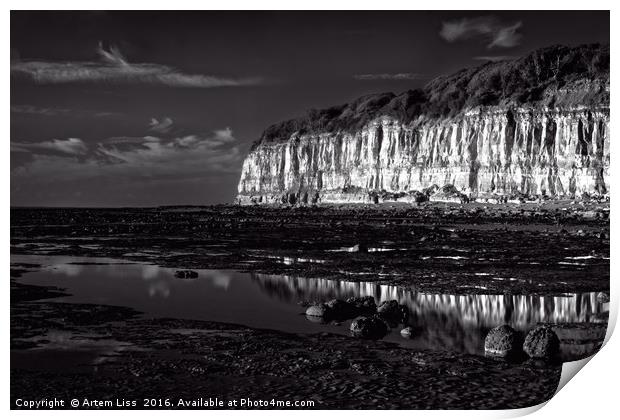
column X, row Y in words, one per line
column 177, row 155
column 225, row 135
column 36, row 110
column 114, row 68
column 162, row 156
column 161, row 126
column 389, row 76
column 113, row 57
column 70, row 146
column 489, row 28
column 55, row 112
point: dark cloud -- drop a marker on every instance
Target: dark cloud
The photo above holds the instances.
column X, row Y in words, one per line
column 388, row 76
column 114, row 68
column 489, row 28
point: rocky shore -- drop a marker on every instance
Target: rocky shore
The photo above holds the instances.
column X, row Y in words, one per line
column 435, row 247
column 546, row 249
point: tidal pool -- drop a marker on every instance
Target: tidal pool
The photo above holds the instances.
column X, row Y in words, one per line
column 440, row 321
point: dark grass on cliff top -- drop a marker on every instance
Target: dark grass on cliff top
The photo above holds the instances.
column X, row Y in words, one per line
column 556, row 76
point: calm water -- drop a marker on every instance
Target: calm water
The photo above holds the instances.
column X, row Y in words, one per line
column 441, row 321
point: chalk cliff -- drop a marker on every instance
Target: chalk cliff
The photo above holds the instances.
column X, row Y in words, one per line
column 537, row 126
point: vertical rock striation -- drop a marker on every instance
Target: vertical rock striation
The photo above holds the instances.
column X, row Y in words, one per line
column 551, row 139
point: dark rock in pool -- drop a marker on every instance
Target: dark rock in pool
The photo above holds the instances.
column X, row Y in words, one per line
column 503, row 341
column 391, row 310
column 541, row 343
column 186, row 274
column 363, row 305
column 334, row 309
column 339, row 309
column 369, row 327
column 602, row 297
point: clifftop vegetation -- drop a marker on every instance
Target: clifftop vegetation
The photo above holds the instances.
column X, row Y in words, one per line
column 552, row 76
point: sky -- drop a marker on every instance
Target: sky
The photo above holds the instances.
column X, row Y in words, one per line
column 113, row 109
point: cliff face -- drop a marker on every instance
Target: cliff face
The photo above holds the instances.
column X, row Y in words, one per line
column 553, row 142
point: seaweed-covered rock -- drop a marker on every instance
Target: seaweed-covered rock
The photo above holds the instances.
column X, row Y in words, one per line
column 542, row 343
column 365, row 304
column 339, row 309
column 503, row 341
column 393, row 311
column 368, row 327
column 334, row 309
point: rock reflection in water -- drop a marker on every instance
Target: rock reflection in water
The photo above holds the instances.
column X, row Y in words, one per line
column 456, row 322
column 444, row 322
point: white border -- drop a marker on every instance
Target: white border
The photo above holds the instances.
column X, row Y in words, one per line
column 592, row 395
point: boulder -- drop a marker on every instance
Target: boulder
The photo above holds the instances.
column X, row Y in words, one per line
column 449, row 193
column 316, row 319
column 541, row 343
column 407, row 332
column 388, row 308
column 428, row 191
column 363, row 305
column 602, row 297
column 368, row 327
column 391, row 310
column 318, row 311
column 419, row 197
column 503, row 341
column 339, row 309
column 186, row 274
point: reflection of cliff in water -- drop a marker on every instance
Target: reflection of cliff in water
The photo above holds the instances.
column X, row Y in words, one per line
column 454, row 322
